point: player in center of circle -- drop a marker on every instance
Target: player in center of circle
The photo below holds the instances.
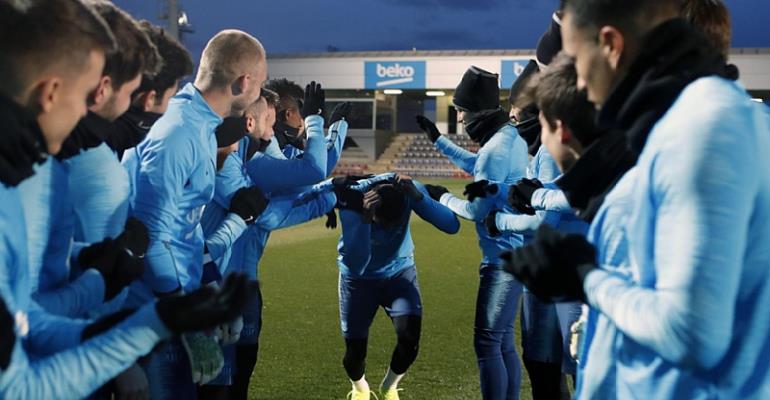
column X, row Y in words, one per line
column 377, row 269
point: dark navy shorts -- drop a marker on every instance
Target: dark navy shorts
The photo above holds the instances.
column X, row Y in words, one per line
column 168, row 371
column 399, row 295
column 252, row 321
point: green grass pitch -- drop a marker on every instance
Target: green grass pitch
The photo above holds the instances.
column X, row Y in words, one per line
column 301, row 348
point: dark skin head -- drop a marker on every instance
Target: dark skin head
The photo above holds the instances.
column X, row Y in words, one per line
column 386, row 204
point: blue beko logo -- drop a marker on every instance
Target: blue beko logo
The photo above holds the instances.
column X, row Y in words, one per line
column 394, row 74
column 510, row 71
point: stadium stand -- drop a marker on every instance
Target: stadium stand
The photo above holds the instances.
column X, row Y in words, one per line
column 410, row 154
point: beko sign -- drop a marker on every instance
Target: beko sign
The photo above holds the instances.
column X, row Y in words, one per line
column 394, row 74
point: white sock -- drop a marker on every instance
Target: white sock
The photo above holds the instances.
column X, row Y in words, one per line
column 360, row 385
column 391, row 380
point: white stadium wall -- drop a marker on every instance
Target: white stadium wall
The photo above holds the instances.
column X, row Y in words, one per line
column 754, row 66
column 340, row 71
column 424, row 71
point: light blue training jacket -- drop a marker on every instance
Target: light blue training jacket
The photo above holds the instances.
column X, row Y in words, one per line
column 502, row 159
column 273, row 174
column 48, row 362
column 371, row 251
column 173, row 171
column 281, row 180
column 543, row 168
column 597, row 370
column 50, row 220
column 100, row 196
column 100, row 193
column 695, row 318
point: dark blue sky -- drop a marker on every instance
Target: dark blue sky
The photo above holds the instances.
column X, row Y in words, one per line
column 354, row 25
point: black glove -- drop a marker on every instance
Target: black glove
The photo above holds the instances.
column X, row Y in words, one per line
column 490, row 222
column 520, row 195
column 135, row 238
column 348, row 180
column 429, row 128
column 436, row 191
column 7, row 335
column 127, row 269
column 101, row 256
column 554, row 265
column 331, row 220
column 406, row 186
column 248, row 203
column 207, row 307
column 341, row 112
column 348, row 199
column 315, row 100
column 119, row 261
column 117, row 267
column 479, row 189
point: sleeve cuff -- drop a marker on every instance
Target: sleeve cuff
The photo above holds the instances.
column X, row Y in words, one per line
column 591, row 281
column 498, row 217
column 440, row 143
column 93, row 280
column 236, row 220
column 314, row 125
column 445, row 198
column 339, row 125
column 537, row 199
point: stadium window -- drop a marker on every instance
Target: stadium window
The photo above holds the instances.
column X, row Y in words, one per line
column 361, row 112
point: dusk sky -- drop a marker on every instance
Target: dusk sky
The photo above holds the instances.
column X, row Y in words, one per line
column 355, row 25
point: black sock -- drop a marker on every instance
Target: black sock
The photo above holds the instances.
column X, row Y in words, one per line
column 545, row 379
column 245, row 361
column 355, row 358
column 213, row 392
column 408, row 345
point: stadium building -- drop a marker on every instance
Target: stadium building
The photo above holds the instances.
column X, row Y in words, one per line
column 388, row 89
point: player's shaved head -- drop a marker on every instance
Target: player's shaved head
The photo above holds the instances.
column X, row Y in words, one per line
column 228, row 55
column 233, row 68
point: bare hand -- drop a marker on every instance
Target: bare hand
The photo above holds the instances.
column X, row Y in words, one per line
column 405, row 184
column 372, row 201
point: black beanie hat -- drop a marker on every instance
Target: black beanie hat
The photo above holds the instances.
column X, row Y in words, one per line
column 479, row 90
column 549, row 44
column 521, row 82
column 230, row 131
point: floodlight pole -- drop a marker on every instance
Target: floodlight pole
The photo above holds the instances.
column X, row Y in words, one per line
column 173, row 18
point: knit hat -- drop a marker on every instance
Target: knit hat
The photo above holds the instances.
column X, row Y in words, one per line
column 549, row 44
column 521, row 82
column 478, row 90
